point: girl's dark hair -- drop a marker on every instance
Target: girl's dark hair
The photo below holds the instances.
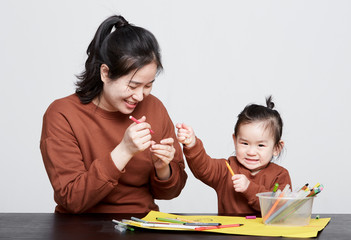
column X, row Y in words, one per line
column 123, row 49
column 271, row 117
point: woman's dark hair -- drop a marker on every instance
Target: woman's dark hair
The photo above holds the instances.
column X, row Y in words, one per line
column 271, row 117
column 124, row 49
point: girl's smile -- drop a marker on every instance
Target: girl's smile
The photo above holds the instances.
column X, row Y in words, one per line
column 249, row 160
column 254, row 146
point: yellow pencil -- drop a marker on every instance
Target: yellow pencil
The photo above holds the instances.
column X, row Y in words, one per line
column 230, row 169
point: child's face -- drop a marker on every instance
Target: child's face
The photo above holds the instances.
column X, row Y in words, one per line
column 254, row 146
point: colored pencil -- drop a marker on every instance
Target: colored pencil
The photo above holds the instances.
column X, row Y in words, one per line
column 137, row 121
column 276, row 202
column 230, row 169
column 218, row 227
column 202, row 224
column 170, row 220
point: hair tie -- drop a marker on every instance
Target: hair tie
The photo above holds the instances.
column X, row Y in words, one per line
column 121, row 22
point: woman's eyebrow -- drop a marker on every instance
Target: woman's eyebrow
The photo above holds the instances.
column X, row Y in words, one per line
column 138, row 83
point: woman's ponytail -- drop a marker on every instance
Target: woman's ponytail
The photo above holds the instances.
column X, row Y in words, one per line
column 123, row 48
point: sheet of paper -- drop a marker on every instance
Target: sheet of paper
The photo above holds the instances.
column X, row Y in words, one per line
column 252, row 227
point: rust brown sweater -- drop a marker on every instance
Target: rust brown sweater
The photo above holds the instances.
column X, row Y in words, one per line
column 76, row 143
column 215, row 174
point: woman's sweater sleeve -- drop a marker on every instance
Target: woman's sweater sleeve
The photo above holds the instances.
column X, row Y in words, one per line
column 75, row 188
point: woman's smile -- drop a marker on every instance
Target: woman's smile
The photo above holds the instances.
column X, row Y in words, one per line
column 131, row 104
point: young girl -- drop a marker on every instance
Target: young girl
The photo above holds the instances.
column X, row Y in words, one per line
column 257, row 139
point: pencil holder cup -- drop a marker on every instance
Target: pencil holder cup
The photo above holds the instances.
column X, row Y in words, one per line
column 285, row 211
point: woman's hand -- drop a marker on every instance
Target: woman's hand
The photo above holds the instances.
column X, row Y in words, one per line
column 240, row 182
column 162, row 154
column 136, row 139
column 186, row 135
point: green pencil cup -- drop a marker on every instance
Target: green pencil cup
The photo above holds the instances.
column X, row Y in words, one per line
column 285, row 211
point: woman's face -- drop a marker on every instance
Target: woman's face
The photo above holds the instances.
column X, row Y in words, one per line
column 124, row 94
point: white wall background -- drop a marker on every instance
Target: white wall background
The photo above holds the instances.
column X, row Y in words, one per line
column 218, row 57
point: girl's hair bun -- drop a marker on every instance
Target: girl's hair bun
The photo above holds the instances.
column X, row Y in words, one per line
column 269, row 102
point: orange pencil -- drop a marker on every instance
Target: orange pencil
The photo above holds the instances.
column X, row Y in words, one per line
column 281, row 195
column 230, row 169
column 274, row 206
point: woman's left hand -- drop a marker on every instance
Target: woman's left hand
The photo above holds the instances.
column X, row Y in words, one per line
column 162, row 154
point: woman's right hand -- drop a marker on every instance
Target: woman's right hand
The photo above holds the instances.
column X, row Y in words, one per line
column 136, row 139
column 185, row 135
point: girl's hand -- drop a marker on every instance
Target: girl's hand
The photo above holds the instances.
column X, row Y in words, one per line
column 162, row 154
column 185, row 135
column 240, row 182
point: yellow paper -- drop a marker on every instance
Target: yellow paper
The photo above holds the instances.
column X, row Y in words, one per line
column 252, row 227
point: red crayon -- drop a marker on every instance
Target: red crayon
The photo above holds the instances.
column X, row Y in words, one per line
column 136, row 121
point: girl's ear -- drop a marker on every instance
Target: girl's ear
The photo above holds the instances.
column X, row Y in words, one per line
column 278, row 148
column 234, row 139
column 104, row 73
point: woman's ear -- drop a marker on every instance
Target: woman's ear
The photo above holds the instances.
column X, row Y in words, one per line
column 278, row 148
column 104, row 73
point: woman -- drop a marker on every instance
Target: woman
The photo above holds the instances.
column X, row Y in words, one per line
column 97, row 159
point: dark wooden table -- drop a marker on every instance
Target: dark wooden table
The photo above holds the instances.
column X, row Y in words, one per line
column 99, row 226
